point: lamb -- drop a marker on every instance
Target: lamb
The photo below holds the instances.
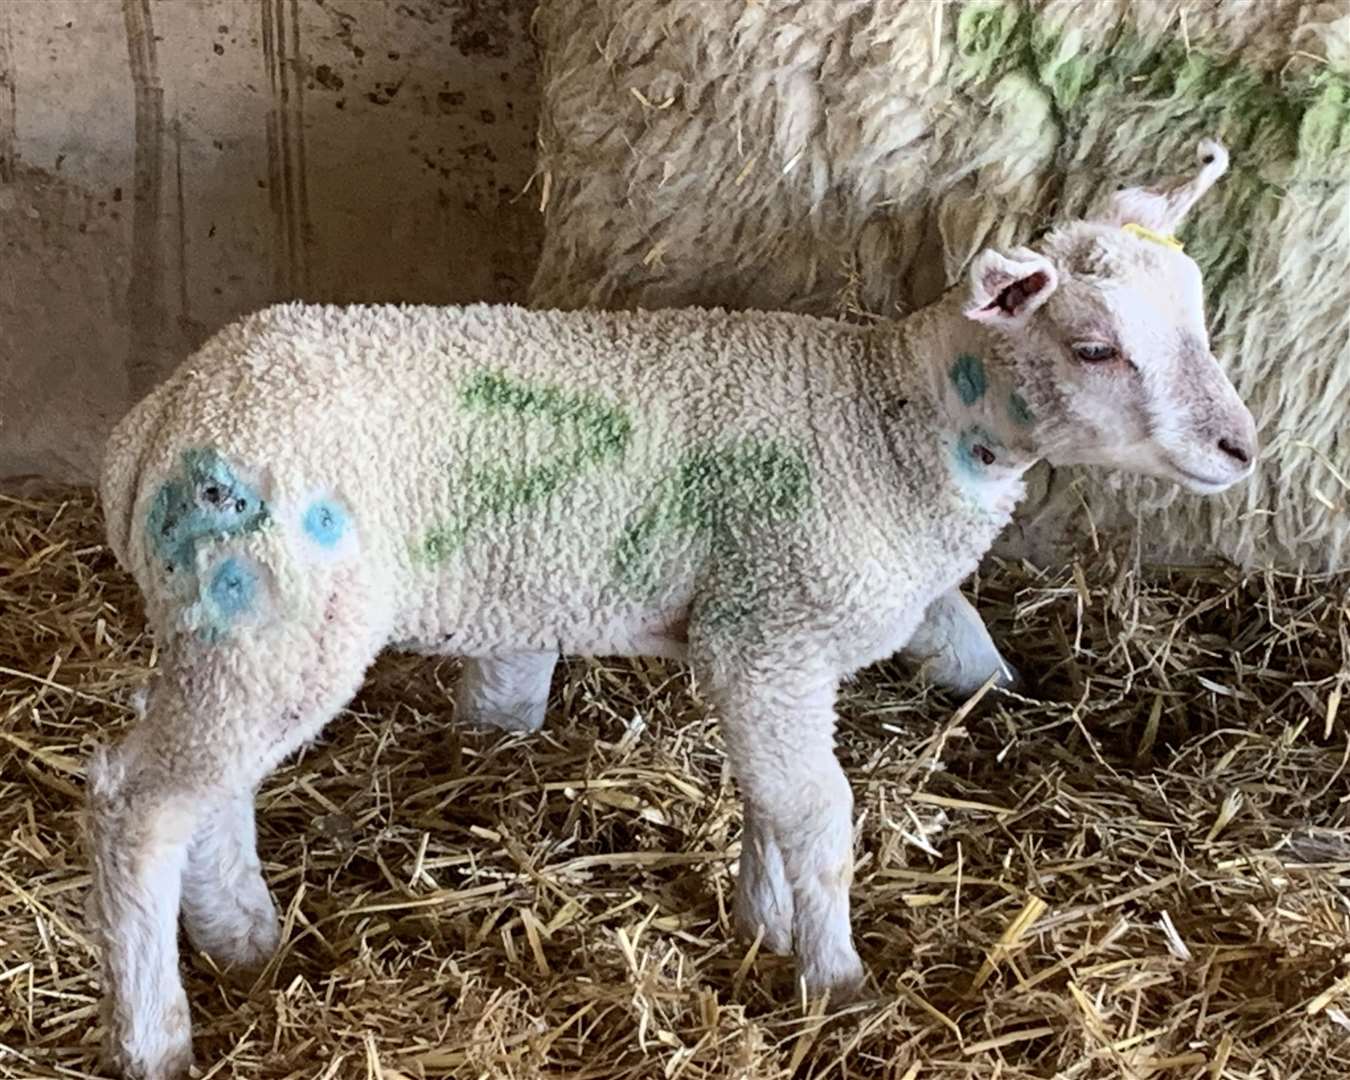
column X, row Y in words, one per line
column 775, row 498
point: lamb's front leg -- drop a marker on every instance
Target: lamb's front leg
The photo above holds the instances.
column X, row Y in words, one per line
column 954, row 648
column 507, row 692
column 780, row 740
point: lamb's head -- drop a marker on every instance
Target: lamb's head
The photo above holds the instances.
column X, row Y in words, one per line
column 1105, row 330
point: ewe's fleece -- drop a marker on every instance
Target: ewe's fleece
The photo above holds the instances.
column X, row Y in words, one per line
column 855, row 154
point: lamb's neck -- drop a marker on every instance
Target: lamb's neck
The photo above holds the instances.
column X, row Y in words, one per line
column 964, row 369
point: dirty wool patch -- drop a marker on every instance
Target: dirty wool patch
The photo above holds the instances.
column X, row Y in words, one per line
column 1141, row 869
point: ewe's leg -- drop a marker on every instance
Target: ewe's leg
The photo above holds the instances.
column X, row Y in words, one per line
column 780, row 740
column 954, row 647
column 506, row 692
column 227, row 910
column 763, row 895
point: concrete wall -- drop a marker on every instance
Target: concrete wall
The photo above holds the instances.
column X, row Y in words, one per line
column 166, row 165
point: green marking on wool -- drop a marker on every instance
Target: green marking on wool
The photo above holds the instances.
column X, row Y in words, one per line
column 720, row 494
column 1324, row 127
column 605, row 429
column 969, row 378
column 1285, row 131
column 996, row 37
column 597, row 431
column 982, row 34
column 1019, row 411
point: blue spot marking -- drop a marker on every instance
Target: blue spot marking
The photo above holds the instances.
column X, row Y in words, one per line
column 232, row 589
column 967, row 459
column 1019, row 410
column 325, row 522
column 205, row 501
column 969, row 378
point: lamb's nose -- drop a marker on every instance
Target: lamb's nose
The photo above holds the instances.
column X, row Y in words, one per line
column 1237, row 450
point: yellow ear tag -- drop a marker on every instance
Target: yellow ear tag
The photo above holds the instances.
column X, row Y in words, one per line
column 1149, row 234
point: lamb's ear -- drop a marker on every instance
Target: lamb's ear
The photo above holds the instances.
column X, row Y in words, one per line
column 1005, row 291
column 1162, row 208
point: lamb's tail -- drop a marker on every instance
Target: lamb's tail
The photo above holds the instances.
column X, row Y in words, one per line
column 124, row 461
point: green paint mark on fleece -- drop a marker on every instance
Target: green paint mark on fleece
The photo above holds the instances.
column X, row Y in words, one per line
column 968, row 376
column 1019, row 410
column 718, row 494
column 1286, row 131
column 598, row 430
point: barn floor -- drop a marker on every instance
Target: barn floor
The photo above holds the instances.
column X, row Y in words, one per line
column 1144, row 872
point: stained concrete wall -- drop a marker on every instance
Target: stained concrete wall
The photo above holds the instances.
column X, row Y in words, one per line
column 167, row 165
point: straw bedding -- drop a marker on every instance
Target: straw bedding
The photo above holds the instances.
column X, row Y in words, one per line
column 811, row 155
column 1140, row 870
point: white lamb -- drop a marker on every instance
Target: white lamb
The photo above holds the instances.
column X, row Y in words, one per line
column 776, row 498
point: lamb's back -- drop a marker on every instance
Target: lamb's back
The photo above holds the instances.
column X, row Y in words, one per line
column 490, row 440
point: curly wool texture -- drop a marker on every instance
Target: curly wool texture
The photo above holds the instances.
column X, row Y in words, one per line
column 856, row 154
column 506, row 480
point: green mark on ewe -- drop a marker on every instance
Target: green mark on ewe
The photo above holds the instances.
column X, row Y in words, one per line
column 1019, row 410
column 719, row 494
column 596, row 430
column 969, row 378
column 1288, row 130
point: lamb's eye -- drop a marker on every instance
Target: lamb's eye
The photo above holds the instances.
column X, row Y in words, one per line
column 1095, row 352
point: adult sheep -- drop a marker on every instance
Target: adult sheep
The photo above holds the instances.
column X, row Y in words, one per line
column 776, row 498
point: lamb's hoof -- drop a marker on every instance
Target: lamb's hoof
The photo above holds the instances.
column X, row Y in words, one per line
column 146, row 1051
column 243, row 948
column 525, row 718
column 842, row 976
column 175, row 1067
column 777, row 936
column 1010, row 679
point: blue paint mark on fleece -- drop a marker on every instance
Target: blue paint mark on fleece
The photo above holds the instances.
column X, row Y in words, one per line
column 231, row 591
column 1019, row 410
column 969, row 460
column 206, row 501
column 969, row 378
column 325, row 522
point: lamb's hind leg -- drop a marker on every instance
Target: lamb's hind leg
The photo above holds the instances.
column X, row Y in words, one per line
column 227, row 910
column 140, row 823
column 507, row 692
column 954, row 648
column 168, row 824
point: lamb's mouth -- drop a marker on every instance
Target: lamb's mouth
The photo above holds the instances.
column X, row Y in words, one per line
column 1199, row 479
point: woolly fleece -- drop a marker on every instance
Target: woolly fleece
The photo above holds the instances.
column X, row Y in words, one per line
column 548, row 481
